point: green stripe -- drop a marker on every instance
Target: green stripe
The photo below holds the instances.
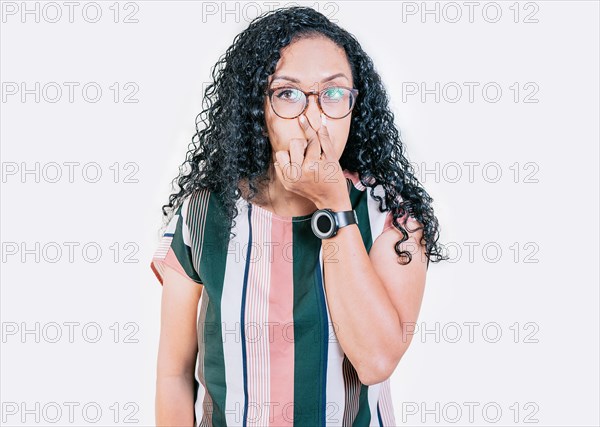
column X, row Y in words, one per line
column 212, row 269
column 358, row 199
column 309, row 339
column 363, row 418
column 182, row 251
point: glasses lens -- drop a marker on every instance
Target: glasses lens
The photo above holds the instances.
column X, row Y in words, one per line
column 337, row 101
column 288, row 102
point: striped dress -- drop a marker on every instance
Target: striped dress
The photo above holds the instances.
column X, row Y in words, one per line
column 267, row 351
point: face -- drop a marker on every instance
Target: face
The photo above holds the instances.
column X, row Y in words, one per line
column 309, row 64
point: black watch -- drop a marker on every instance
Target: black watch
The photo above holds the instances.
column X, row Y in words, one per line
column 325, row 223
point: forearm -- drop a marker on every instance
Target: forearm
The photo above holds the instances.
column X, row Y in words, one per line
column 175, row 400
column 366, row 323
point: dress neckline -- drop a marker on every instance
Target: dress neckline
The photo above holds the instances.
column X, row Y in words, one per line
column 264, row 211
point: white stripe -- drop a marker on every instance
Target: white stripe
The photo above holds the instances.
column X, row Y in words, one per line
column 335, row 398
column 385, row 405
column 197, row 218
column 172, row 224
column 231, row 308
column 163, row 247
column 257, row 318
column 184, row 227
column 165, row 241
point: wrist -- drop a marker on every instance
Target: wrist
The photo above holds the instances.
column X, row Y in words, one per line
column 337, row 201
column 336, row 205
column 327, row 221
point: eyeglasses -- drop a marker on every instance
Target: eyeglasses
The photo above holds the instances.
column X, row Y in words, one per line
column 335, row 102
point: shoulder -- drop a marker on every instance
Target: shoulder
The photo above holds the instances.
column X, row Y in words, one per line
column 196, row 202
column 354, row 178
column 379, row 221
column 193, row 210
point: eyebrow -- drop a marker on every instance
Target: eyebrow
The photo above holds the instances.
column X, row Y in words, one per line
column 292, row 79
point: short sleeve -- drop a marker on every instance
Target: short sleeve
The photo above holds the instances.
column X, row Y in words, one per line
column 411, row 223
column 174, row 249
column 388, row 221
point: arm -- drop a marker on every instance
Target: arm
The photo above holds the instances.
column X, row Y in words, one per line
column 372, row 298
column 177, row 350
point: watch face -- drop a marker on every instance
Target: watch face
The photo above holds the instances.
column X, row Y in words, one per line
column 323, row 224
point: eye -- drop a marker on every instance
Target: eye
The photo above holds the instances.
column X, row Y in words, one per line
column 288, row 94
column 334, row 93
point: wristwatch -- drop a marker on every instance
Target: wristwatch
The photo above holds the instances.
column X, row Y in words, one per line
column 325, row 223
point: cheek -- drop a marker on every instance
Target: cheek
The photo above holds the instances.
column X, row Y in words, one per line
column 270, row 120
column 277, row 130
column 273, row 127
column 281, row 130
column 338, row 132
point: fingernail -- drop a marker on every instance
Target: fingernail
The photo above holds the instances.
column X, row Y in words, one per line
column 323, row 119
column 302, row 119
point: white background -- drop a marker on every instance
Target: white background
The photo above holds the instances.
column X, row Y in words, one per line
column 547, row 292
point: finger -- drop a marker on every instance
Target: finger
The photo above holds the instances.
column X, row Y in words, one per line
column 289, row 171
column 329, row 153
column 326, row 143
column 313, row 152
column 296, row 152
column 279, row 169
column 282, row 157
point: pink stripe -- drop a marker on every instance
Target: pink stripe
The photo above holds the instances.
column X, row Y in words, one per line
column 353, row 176
column 170, row 259
column 281, row 316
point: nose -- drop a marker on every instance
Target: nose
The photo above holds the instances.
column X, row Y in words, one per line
column 312, row 112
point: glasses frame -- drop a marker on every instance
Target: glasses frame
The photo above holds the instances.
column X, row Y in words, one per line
column 269, row 92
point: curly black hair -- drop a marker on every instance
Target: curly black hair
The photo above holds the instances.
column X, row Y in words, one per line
column 232, row 145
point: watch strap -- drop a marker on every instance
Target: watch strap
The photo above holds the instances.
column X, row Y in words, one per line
column 345, row 218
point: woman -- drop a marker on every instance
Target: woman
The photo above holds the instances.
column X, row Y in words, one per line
column 301, row 321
